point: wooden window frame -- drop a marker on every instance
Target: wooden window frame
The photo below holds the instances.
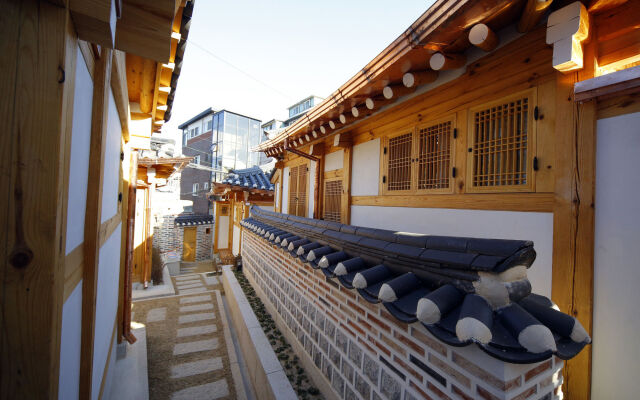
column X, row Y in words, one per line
column 532, row 95
column 325, row 202
column 415, row 146
column 452, row 154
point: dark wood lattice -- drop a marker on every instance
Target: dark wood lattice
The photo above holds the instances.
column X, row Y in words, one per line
column 333, row 200
column 298, row 191
column 500, row 144
column 399, row 162
column 434, row 156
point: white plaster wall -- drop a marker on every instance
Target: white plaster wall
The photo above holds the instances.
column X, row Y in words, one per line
column 285, row 190
column 616, row 267
column 334, row 160
column 365, row 168
column 236, row 241
column 534, row 226
column 68, row 384
column 223, row 232
column 106, row 305
column 111, row 372
column 111, row 178
column 276, row 194
column 79, row 162
column 311, row 180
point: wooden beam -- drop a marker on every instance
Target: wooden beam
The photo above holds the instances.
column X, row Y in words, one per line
column 346, row 118
column 626, row 81
column 532, row 13
column 483, row 37
column 359, row 111
column 317, row 149
column 567, row 28
column 38, row 44
column 375, row 102
column 100, row 111
column 342, row 140
column 120, row 90
column 145, row 28
column 442, row 62
column 394, row 91
column 535, row 202
column 598, row 6
column 94, row 20
column 418, row 78
column 147, row 86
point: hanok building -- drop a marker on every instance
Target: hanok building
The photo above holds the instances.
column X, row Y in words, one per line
column 85, row 84
column 233, row 197
column 483, row 120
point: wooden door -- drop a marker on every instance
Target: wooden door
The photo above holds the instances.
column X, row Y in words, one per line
column 298, row 190
column 189, row 244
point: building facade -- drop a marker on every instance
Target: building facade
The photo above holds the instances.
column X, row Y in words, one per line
column 301, row 108
column 219, row 141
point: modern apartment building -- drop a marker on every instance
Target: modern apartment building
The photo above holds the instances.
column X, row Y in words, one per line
column 218, row 141
column 300, row 108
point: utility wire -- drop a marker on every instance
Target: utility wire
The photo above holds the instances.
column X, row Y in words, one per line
column 205, row 50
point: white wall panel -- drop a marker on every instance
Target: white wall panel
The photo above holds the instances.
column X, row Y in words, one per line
column 616, row 267
column 334, row 160
column 534, row 226
column 223, row 232
column 365, row 169
column 79, row 161
column 111, row 179
column 236, row 241
column 70, row 337
column 106, row 305
column 285, row 190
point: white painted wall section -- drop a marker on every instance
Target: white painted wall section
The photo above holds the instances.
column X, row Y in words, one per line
column 236, row 241
column 79, row 162
column 223, row 232
column 111, row 179
column 311, row 184
column 365, row 168
column 334, row 160
column 616, row 269
column 285, row 190
column 106, row 305
column 68, row 384
column 534, row 226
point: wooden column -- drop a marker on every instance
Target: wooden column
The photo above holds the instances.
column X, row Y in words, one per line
column 36, row 108
column 100, row 111
column 131, row 221
column 346, row 185
column 574, row 216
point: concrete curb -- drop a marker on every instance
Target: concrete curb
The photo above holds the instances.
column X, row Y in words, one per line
column 265, row 371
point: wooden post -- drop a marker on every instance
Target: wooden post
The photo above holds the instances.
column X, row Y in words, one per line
column 443, row 62
column 483, row 37
column 418, row 78
column 533, row 11
column 131, row 221
column 317, row 192
column 100, row 111
column 39, row 46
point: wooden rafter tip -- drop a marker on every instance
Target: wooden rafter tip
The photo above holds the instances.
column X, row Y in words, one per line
column 442, row 62
column 418, row 78
column 483, row 37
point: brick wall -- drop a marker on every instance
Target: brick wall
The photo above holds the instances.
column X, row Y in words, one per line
column 362, row 351
column 204, row 242
column 167, row 236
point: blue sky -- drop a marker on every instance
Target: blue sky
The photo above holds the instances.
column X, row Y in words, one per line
column 293, row 48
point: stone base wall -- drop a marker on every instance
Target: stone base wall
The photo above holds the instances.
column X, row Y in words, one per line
column 362, row 352
column 204, row 242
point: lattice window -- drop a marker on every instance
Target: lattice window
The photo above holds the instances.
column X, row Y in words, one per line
column 501, row 136
column 434, row 156
column 399, row 162
column 333, row 200
column 298, row 190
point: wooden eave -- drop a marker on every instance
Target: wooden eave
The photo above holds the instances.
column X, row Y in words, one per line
column 165, row 167
column 442, row 28
column 220, row 188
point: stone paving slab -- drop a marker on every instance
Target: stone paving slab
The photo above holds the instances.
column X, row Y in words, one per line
column 196, row 367
column 185, row 319
column 196, row 307
column 192, row 347
column 213, row 390
column 196, row 330
column 195, row 299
